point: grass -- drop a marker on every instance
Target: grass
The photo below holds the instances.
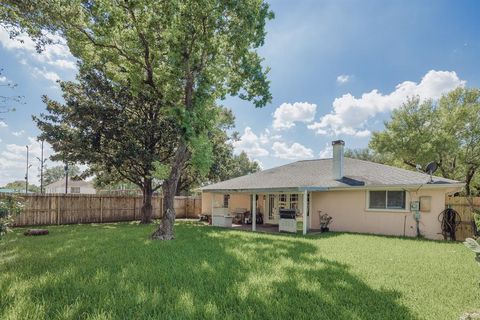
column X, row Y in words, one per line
column 114, row 272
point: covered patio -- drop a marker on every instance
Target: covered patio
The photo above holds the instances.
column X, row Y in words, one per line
column 261, row 210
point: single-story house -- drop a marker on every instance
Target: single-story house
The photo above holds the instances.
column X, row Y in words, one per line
column 73, row 186
column 360, row 196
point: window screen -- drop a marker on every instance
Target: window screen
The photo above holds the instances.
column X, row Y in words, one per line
column 75, row 190
column 377, row 199
column 387, row 200
column 396, row 199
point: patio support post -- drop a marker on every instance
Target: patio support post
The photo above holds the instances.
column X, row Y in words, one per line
column 305, row 209
column 254, row 212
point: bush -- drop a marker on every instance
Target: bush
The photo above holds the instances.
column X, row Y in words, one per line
column 474, row 245
column 10, row 206
column 476, row 218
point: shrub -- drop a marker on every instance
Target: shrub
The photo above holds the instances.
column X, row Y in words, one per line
column 10, row 206
column 474, row 245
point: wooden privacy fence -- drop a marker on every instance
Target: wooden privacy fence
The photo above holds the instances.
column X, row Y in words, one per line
column 49, row 209
column 466, row 229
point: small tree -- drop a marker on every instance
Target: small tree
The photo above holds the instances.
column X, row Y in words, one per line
column 10, row 206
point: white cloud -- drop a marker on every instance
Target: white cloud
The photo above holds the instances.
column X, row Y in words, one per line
column 3, row 79
column 350, row 115
column 343, row 78
column 287, row 114
column 22, row 42
column 251, row 144
column 295, row 151
column 18, row 133
column 49, row 75
column 56, row 54
column 64, row 64
column 327, row 152
column 14, row 158
column 3, row 124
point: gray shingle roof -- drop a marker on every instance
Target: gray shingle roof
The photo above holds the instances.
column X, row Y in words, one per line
column 318, row 174
column 71, row 183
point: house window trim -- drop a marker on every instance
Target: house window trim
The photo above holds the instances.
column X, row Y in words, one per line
column 367, row 202
column 227, row 202
column 76, row 188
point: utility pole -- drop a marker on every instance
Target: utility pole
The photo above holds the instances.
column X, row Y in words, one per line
column 42, row 166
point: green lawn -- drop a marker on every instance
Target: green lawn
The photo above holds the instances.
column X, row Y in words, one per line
column 114, row 271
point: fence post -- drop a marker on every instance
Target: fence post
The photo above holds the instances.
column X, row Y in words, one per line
column 57, row 198
column 194, row 199
column 161, row 207
column 134, row 207
column 101, row 209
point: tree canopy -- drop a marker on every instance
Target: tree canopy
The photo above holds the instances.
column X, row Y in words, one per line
column 19, row 186
column 447, row 132
column 366, row 154
column 56, row 173
column 184, row 55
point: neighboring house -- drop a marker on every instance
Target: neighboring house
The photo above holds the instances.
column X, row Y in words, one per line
column 361, row 196
column 74, row 187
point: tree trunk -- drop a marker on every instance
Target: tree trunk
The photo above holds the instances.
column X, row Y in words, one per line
column 147, row 201
column 468, row 179
column 165, row 229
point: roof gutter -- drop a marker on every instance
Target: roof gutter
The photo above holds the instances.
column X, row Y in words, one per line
column 401, row 186
column 324, row 189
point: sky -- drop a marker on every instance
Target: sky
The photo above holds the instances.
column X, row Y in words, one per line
column 338, row 69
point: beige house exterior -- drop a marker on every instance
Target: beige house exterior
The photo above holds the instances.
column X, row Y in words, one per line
column 360, row 196
column 73, row 187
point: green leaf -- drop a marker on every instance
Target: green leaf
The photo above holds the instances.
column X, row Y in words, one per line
column 472, row 245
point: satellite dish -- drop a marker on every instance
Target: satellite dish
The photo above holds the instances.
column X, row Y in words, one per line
column 430, row 169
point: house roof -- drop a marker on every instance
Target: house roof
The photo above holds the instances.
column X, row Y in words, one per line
column 317, row 175
column 71, row 183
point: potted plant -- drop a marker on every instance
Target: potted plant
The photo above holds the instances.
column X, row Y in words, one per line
column 325, row 220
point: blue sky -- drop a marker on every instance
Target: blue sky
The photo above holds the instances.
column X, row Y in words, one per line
column 338, row 68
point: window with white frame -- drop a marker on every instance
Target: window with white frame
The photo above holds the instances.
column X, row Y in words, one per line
column 294, row 201
column 387, row 199
column 226, row 197
column 282, row 201
column 74, row 189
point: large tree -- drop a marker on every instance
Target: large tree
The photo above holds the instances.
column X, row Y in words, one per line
column 118, row 135
column 446, row 131
column 225, row 164
column 56, row 173
column 186, row 54
column 366, row 154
